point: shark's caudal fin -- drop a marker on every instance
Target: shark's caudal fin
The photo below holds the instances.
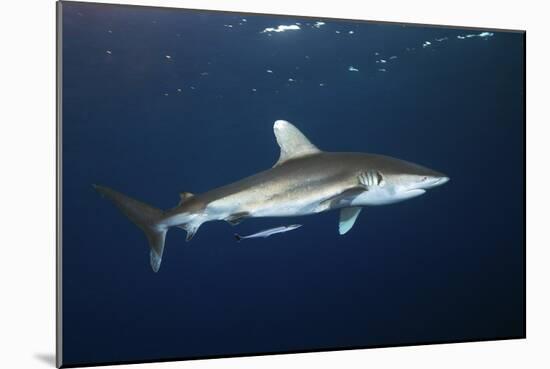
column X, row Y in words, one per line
column 145, row 217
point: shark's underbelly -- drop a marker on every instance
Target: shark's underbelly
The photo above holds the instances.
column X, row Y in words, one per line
column 384, row 196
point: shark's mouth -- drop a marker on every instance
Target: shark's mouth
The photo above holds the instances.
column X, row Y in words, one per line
column 415, row 192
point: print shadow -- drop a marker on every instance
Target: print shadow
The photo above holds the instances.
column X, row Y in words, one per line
column 46, row 358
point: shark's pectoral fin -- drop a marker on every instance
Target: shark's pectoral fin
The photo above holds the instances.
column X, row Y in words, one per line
column 347, row 218
column 236, row 218
column 292, row 142
column 366, row 181
column 343, row 198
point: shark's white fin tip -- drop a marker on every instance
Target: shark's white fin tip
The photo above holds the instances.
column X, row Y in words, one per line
column 280, row 124
column 347, row 219
column 155, row 260
column 292, row 142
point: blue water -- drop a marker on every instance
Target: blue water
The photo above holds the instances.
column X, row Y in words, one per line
column 447, row 266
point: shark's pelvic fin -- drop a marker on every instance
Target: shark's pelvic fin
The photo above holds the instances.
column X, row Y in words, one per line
column 236, row 218
column 292, row 142
column 347, row 219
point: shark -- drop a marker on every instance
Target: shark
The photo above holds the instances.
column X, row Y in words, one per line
column 305, row 180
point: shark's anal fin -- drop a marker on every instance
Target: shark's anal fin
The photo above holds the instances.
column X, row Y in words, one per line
column 190, row 235
column 292, row 142
column 347, row 218
column 184, row 196
column 236, row 218
column 190, row 232
column 190, row 228
column 343, row 198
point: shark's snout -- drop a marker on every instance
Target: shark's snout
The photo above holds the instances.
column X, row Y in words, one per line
column 434, row 181
column 441, row 181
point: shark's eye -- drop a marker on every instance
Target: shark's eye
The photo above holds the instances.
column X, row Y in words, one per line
column 424, row 179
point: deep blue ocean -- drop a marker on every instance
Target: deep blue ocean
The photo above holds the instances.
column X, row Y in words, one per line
column 160, row 101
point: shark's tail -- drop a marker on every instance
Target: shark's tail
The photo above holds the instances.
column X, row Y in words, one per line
column 145, row 217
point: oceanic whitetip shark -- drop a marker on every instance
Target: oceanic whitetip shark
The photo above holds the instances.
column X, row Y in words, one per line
column 305, row 180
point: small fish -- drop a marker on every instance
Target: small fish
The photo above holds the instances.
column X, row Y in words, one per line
column 268, row 232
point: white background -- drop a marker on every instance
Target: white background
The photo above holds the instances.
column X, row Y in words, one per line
column 27, row 180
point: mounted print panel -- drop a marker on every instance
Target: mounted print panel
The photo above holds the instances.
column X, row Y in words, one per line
column 240, row 184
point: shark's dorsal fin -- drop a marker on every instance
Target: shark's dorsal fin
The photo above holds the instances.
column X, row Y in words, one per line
column 184, row 196
column 292, row 142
